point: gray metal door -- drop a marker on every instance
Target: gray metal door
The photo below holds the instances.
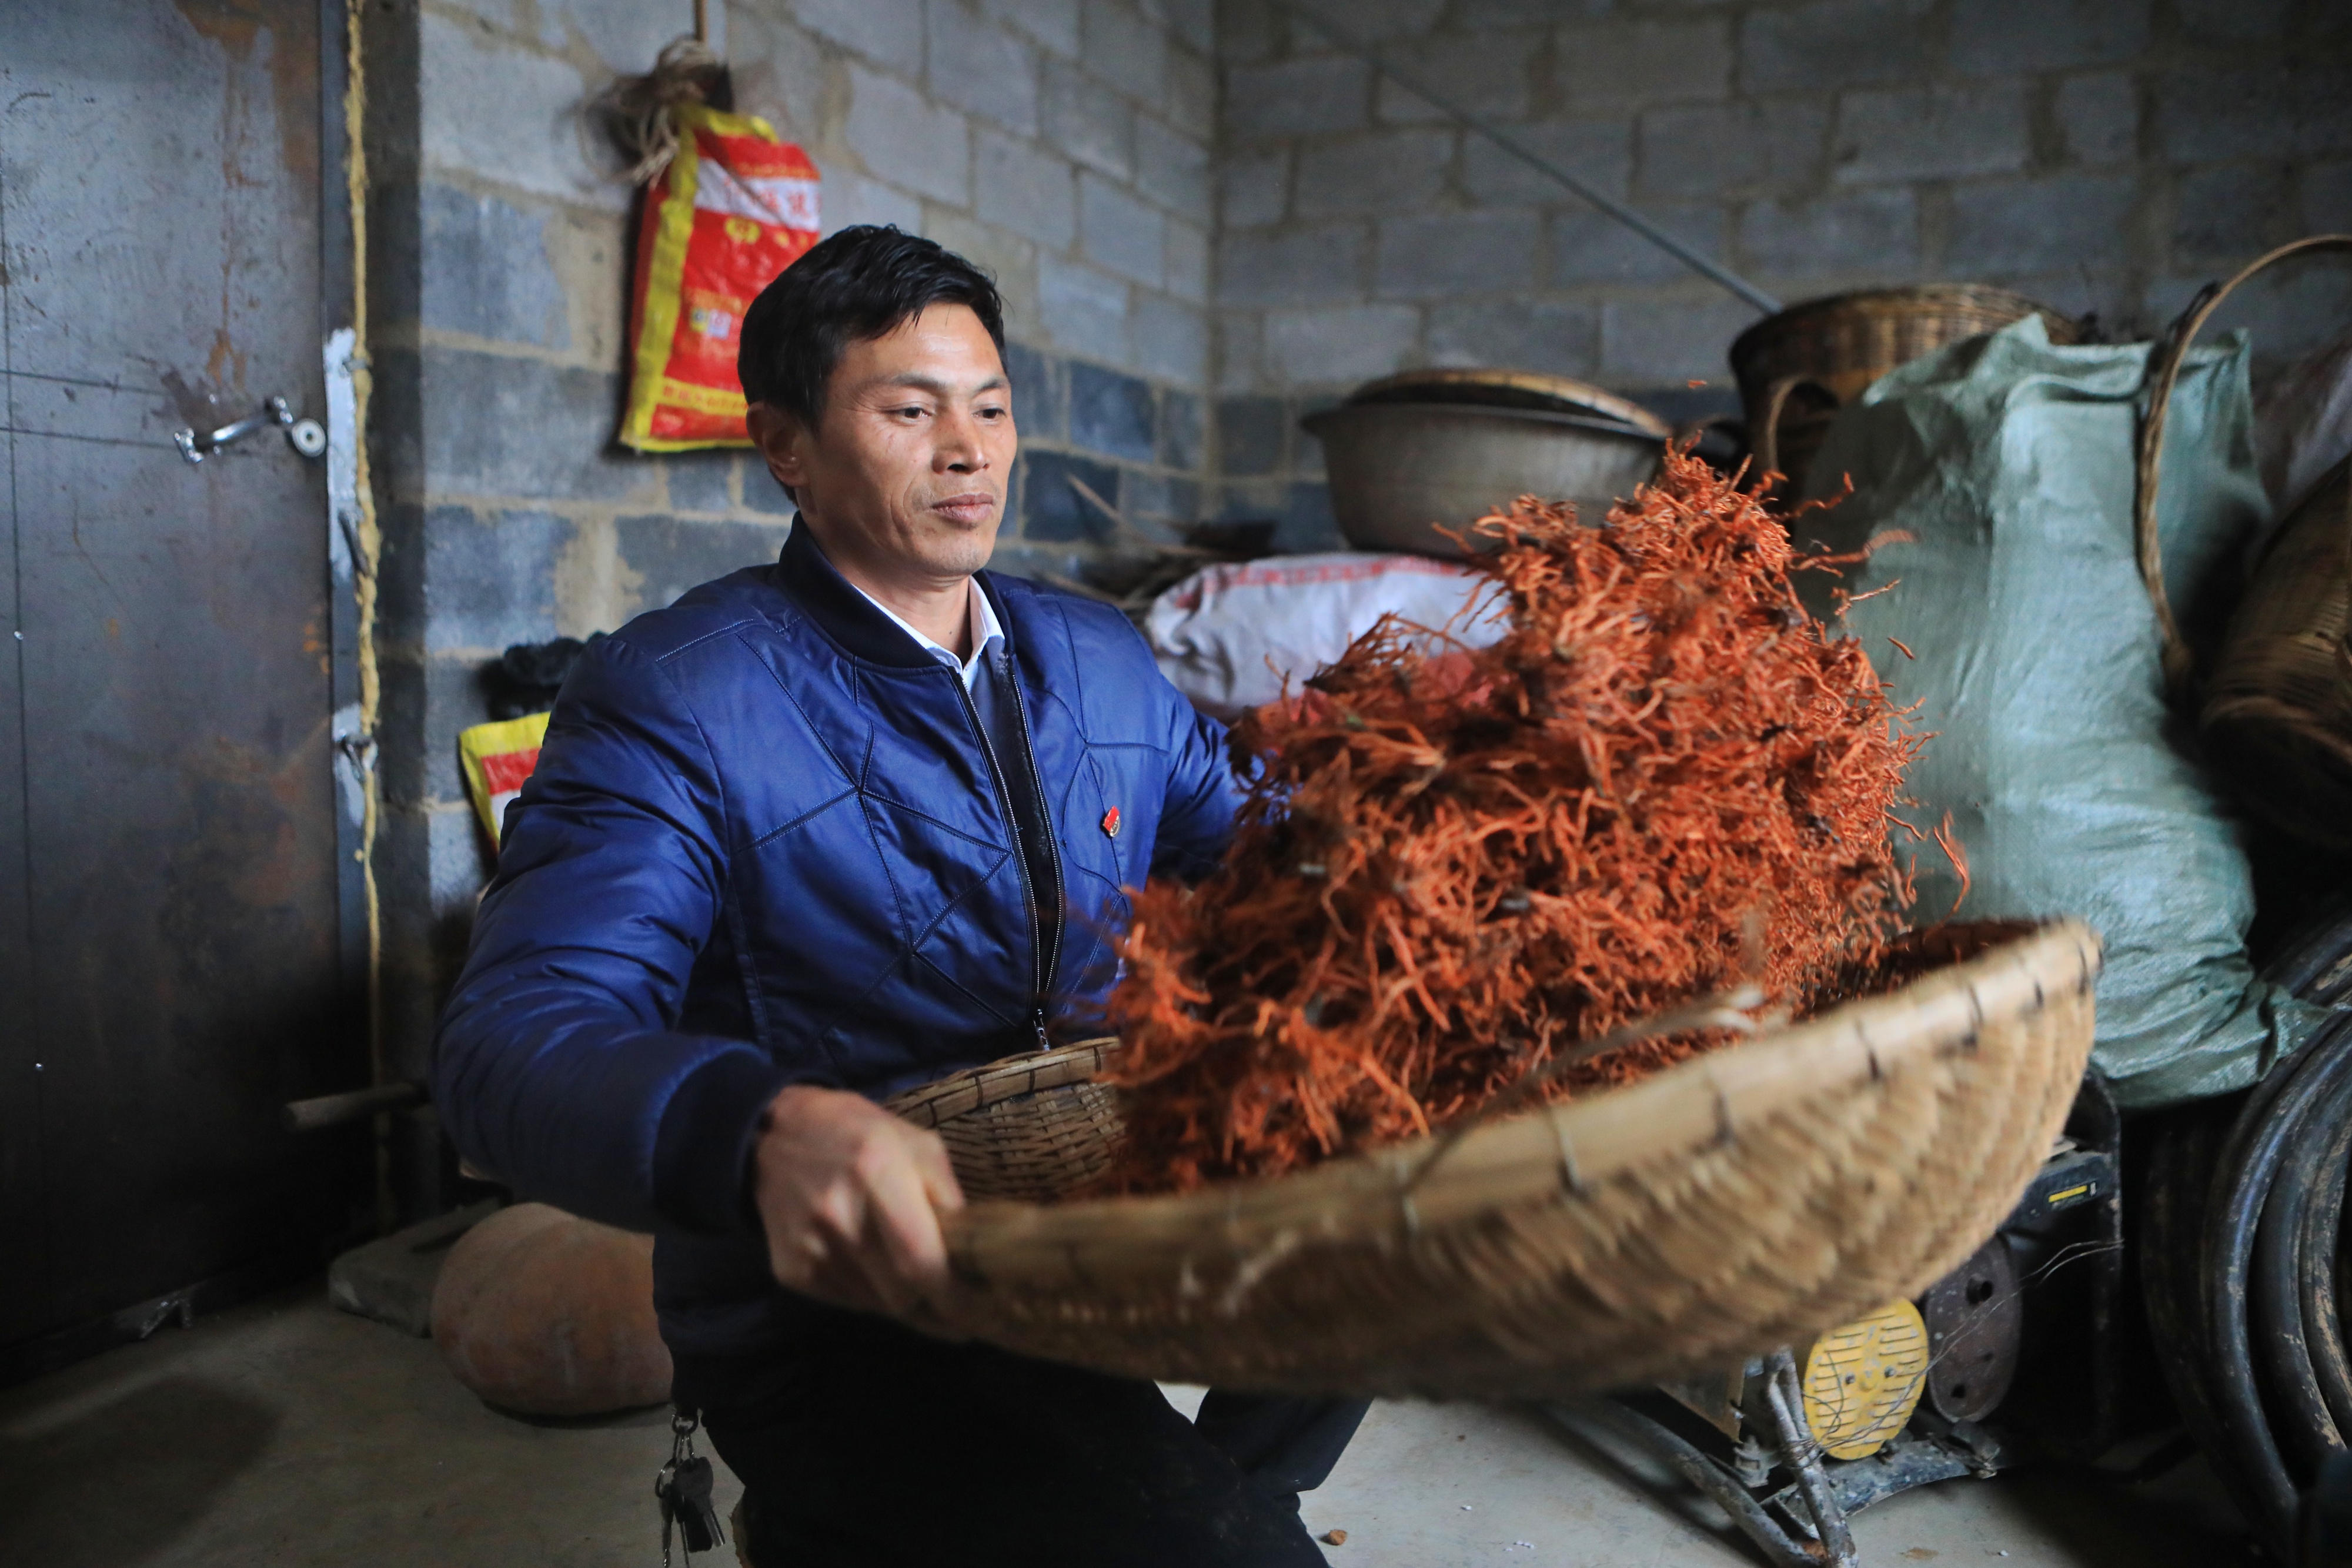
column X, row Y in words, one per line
column 168, row 915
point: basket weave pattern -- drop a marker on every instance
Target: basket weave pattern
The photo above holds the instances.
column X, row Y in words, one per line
column 1846, row 342
column 1829, row 351
column 2278, row 711
column 1744, row 1199
column 1029, row 1129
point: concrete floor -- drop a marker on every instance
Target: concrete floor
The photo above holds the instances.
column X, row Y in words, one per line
column 285, row 1433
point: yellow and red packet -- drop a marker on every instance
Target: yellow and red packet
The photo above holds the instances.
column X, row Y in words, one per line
column 735, row 207
column 497, row 758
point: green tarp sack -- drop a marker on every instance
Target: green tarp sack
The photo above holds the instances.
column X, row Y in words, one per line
column 2009, row 462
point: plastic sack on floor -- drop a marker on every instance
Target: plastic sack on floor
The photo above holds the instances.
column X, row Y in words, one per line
column 544, row 1314
column 1227, row 635
column 2009, row 463
column 734, row 207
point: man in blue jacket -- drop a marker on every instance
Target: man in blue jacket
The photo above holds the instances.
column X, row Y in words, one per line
column 819, row 832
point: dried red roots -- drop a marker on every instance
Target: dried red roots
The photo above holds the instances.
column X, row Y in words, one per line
column 1452, row 863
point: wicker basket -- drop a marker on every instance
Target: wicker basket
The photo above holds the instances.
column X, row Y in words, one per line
column 1745, row 1199
column 2277, row 714
column 1029, row 1129
column 1797, row 369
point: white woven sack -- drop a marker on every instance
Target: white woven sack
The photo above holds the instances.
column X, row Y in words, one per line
column 1227, row 636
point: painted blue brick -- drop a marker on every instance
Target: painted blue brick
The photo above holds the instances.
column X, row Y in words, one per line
column 1158, row 504
column 1040, row 393
column 1111, row 414
column 1054, row 513
column 1183, row 435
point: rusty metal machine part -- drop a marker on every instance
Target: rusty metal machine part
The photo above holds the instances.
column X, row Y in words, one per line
column 1976, row 1326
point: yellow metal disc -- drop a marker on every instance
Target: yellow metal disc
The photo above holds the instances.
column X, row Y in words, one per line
column 1861, row 1381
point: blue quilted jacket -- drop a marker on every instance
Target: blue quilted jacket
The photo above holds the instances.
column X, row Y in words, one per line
column 766, row 843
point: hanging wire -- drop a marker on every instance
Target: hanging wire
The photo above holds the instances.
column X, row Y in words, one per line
column 1407, row 76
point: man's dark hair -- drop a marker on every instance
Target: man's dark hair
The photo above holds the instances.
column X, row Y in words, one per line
column 858, row 285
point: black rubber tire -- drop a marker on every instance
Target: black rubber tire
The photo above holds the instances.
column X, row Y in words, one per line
column 2239, row 1254
column 2282, row 1334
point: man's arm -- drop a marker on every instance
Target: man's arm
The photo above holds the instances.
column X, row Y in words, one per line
column 560, row 1068
column 1196, row 816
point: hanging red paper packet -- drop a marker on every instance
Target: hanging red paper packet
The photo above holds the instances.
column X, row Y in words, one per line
column 735, row 207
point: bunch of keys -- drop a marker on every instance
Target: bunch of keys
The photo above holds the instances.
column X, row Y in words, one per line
column 684, row 1491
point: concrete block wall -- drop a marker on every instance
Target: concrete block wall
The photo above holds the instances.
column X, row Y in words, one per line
column 1206, row 222
column 1064, row 144
column 2106, row 156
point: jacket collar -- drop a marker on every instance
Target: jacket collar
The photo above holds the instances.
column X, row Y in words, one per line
column 847, row 617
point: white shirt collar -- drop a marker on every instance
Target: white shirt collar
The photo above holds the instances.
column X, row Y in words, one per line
column 986, row 631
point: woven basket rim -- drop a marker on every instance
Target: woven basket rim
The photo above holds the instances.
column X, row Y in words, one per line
column 2338, row 475
column 1888, row 302
column 1696, row 1103
column 2268, row 712
column 1008, row 1077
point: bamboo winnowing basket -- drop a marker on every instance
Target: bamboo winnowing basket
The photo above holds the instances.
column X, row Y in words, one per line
column 1742, row 1201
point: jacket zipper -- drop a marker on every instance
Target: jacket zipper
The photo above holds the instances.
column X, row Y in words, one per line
column 1053, row 851
column 1041, row 964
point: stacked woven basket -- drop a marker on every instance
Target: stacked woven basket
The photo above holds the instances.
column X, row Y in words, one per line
column 2277, row 706
column 1747, row 1198
column 1797, row 368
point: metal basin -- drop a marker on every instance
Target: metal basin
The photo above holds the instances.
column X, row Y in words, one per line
column 1399, row 470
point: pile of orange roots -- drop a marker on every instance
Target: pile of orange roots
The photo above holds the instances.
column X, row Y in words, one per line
column 1451, row 864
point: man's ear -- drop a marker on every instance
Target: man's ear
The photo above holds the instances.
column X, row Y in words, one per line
column 781, row 439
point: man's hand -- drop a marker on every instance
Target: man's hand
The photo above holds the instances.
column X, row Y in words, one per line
column 851, row 1198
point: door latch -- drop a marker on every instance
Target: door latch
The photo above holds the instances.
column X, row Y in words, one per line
column 307, row 437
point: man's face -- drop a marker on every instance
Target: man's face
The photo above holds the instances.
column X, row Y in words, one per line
column 904, row 477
